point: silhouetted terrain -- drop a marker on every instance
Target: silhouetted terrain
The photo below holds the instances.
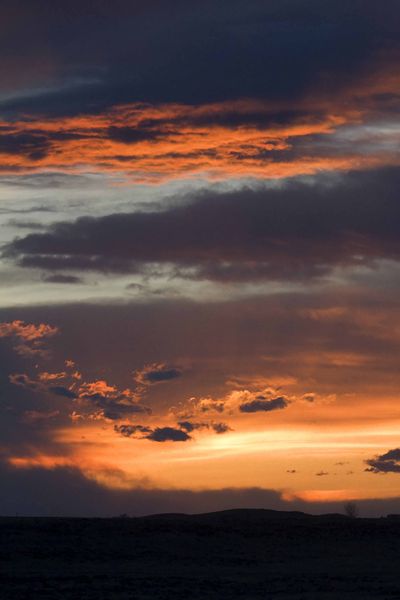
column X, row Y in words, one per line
column 247, row 554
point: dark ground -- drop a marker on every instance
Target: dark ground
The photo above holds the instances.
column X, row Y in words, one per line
column 241, row 554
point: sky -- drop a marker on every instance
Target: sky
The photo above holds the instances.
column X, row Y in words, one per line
column 199, row 256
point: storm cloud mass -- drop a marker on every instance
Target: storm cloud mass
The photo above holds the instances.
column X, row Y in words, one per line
column 186, row 52
column 298, row 231
column 199, row 254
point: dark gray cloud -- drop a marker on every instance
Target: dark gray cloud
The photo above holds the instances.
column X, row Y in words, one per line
column 132, row 430
column 157, row 373
column 221, row 428
column 389, row 462
column 168, row 434
column 102, row 54
column 132, row 135
column 158, row 434
column 191, row 426
column 34, row 147
column 261, row 404
column 116, row 406
column 23, row 380
column 250, row 234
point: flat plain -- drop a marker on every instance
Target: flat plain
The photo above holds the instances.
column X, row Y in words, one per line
column 244, row 554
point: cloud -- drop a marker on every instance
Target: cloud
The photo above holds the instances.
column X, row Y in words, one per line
column 173, row 434
column 45, row 376
column 389, row 462
column 240, row 138
column 157, row 373
column 114, row 403
column 168, row 434
column 220, row 428
column 275, row 336
column 45, row 383
column 24, row 380
column 190, row 426
column 249, row 400
column 29, row 339
column 133, row 430
column 277, row 233
column 28, row 332
column 261, row 404
column 84, row 106
column 158, row 434
column 204, row 405
column 320, row 50
column 309, row 397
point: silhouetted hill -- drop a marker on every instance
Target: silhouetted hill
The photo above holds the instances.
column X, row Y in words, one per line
column 244, row 554
column 237, row 514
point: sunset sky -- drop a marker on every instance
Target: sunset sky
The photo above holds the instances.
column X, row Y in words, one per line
column 200, row 255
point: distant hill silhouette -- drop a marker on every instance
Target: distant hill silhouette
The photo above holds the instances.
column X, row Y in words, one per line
column 232, row 554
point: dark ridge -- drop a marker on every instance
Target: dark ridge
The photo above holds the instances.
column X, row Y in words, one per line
column 230, row 555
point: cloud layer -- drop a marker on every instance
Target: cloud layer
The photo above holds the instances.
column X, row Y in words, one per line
column 298, row 231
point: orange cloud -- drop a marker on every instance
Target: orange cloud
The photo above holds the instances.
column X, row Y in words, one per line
column 52, row 376
column 154, row 143
column 29, row 337
column 26, row 331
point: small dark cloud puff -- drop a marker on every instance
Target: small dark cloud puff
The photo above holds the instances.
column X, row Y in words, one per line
column 261, row 404
column 309, row 397
column 322, row 473
column 385, row 463
column 158, row 434
column 116, row 406
column 220, row 428
column 157, row 373
column 190, row 426
column 132, row 430
column 168, row 434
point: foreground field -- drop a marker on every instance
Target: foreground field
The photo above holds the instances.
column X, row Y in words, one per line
column 234, row 554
